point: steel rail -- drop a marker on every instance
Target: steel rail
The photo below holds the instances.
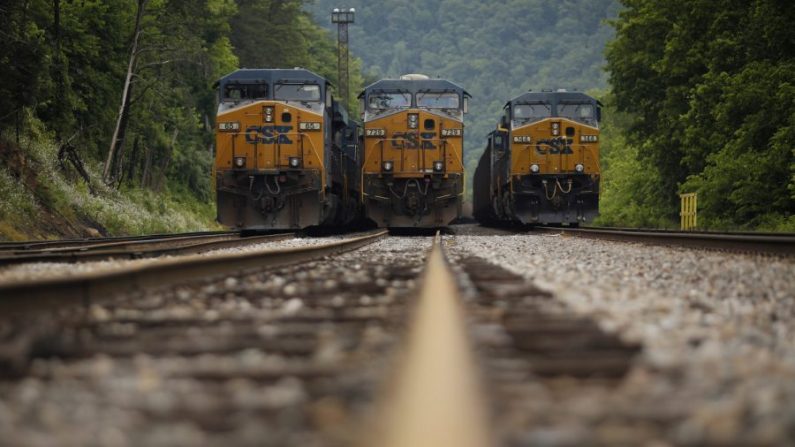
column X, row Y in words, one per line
column 435, row 399
column 663, row 230
column 770, row 243
column 87, row 288
column 41, row 245
column 137, row 250
column 134, row 244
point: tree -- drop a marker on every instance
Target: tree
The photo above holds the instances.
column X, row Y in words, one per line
column 120, row 131
column 709, row 87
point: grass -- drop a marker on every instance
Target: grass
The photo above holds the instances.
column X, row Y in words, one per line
column 39, row 201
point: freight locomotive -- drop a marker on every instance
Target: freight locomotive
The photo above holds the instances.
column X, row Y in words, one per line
column 286, row 152
column 541, row 164
column 413, row 169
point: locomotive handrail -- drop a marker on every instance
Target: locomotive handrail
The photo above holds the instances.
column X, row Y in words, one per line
column 301, row 135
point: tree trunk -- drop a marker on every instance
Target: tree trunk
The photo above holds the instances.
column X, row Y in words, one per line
column 124, row 109
column 58, row 69
column 133, row 161
column 146, row 172
column 164, row 170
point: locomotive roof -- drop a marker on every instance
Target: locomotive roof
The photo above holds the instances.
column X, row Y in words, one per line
column 552, row 97
column 415, row 86
column 272, row 75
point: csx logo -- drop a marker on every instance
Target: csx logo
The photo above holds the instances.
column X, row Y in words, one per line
column 268, row 134
column 409, row 140
column 553, row 150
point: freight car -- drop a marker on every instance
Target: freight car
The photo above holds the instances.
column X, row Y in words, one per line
column 541, row 164
column 286, row 152
column 413, row 170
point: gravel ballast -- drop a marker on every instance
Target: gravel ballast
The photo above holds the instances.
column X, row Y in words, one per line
column 718, row 365
column 286, row 356
column 293, row 355
column 48, row 270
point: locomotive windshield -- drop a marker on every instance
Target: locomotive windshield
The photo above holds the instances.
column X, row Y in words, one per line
column 437, row 100
column 384, row 101
column 239, row 92
column 297, row 92
column 582, row 112
column 528, row 113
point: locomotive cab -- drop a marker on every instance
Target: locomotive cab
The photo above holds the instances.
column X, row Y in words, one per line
column 413, row 171
column 275, row 145
column 541, row 165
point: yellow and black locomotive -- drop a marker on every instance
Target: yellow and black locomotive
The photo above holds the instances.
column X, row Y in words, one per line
column 286, row 152
column 413, row 169
column 541, row 165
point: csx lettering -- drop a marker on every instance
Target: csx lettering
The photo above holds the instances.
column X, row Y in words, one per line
column 404, row 140
column 268, row 134
column 410, row 140
column 553, row 150
column 425, row 137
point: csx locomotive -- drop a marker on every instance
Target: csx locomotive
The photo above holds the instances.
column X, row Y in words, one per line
column 413, row 170
column 286, row 152
column 541, row 165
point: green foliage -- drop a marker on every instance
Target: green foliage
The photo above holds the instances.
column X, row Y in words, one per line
column 624, row 179
column 42, row 190
column 291, row 38
column 710, row 88
column 62, row 70
column 494, row 49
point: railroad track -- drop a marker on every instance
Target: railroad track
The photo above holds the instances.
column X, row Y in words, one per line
column 371, row 340
column 272, row 348
column 63, row 243
column 136, row 248
column 770, row 243
column 91, row 286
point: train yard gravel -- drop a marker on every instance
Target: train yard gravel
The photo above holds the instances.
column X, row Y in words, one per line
column 286, row 356
column 718, row 365
column 292, row 355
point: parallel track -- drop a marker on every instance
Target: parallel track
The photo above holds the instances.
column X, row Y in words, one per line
column 769, row 243
column 135, row 249
column 73, row 243
column 89, row 287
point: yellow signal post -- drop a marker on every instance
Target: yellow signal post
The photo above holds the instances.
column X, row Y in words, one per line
column 689, row 211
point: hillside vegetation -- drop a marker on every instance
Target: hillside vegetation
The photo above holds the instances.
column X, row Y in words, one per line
column 63, row 71
column 708, row 93
column 107, row 108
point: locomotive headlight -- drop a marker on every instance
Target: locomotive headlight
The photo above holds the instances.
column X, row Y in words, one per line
column 414, row 120
column 387, row 166
column 268, row 112
column 579, row 167
column 295, row 162
column 229, row 127
column 534, row 168
column 308, row 126
column 438, row 166
column 240, row 162
column 555, row 128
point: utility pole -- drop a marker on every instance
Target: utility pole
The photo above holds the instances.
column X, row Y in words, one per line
column 342, row 18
